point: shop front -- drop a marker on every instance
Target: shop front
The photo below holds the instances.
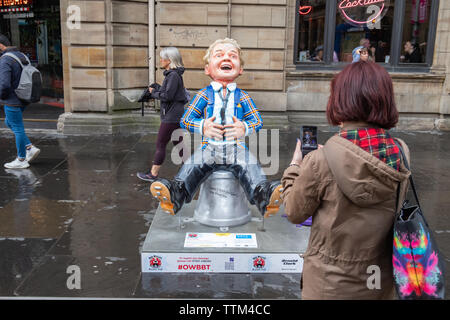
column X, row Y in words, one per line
column 34, row 26
column 398, row 34
column 405, row 37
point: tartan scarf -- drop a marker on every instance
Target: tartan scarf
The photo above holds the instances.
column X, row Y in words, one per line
column 375, row 141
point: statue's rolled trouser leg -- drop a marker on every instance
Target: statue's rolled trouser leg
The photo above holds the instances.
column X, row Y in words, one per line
column 265, row 194
column 173, row 194
column 195, row 171
column 246, row 169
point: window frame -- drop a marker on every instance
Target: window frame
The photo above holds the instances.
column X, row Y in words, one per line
column 394, row 64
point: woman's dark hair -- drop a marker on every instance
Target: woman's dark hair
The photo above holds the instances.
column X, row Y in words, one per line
column 414, row 44
column 362, row 92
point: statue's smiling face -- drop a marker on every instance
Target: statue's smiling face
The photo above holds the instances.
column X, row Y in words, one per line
column 224, row 63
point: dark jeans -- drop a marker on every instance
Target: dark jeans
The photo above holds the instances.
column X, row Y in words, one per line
column 164, row 135
column 237, row 160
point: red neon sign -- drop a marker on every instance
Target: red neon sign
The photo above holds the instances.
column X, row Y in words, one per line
column 304, row 10
column 15, row 5
column 356, row 4
column 11, row 3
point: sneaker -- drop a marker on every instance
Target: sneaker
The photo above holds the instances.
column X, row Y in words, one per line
column 17, row 164
column 147, row 176
column 32, row 153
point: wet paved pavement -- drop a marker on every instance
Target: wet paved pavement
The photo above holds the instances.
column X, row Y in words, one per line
column 80, row 203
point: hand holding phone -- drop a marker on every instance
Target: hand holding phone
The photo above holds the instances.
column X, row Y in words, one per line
column 297, row 157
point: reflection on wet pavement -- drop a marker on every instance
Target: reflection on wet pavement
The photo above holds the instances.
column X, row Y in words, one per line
column 80, row 203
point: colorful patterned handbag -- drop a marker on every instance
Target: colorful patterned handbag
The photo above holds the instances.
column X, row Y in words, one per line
column 419, row 268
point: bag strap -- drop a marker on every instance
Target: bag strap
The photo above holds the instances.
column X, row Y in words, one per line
column 9, row 54
column 397, row 213
column 405, row 161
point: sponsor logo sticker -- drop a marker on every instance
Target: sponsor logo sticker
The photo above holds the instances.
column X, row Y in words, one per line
column 259, row 263
column 155, row 262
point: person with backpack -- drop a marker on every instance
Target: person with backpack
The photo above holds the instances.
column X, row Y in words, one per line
column 12, row 64
column 173, row 97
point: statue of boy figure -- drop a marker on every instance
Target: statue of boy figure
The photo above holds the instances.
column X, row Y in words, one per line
column 223, row 114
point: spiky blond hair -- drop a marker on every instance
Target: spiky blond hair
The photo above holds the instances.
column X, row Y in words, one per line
column 223, row 41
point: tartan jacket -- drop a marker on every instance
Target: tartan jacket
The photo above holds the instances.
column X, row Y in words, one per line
column 201, row 107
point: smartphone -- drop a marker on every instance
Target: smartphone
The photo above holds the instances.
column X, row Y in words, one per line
column 308, row 136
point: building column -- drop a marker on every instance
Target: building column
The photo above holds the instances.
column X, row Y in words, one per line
column 442, row 58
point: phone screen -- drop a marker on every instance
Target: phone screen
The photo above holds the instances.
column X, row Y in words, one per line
column 309, row 136
column 309, row 139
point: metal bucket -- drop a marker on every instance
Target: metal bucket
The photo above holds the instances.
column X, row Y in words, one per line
column 222, row 202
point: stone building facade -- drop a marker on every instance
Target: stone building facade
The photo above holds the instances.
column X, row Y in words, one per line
column 110, row 59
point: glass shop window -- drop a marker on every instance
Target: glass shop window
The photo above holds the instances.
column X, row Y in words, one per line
column 311, row 30
column 400, row 34
column 415, row 31
column 34, row 27
column 364, row 27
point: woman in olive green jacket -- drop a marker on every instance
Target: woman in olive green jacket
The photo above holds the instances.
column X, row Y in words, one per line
column 349, row 187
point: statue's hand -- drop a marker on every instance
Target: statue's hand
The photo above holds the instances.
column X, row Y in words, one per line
column 212, row 130
column 235, row 130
